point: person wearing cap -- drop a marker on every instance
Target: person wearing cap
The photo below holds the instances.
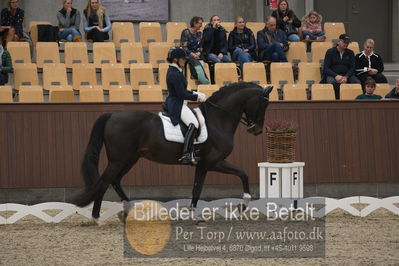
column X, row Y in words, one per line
column 394, row 93
column 176, row 102
column 339, row 65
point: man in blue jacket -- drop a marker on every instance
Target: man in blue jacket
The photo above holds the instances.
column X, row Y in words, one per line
column 339, row 65
column 272, row 42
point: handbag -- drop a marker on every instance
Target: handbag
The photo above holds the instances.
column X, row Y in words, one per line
column 290, row 29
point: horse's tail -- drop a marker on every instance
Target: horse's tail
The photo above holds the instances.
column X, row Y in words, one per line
column 89, row 168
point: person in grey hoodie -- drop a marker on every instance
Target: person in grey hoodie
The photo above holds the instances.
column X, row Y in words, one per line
column 69, row 22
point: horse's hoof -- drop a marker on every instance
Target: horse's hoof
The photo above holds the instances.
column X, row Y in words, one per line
column 98, row 222
column 122, row 216
column 199, row 221
column 242, row 207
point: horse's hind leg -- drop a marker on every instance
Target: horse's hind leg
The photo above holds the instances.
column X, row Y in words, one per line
column 111, row 172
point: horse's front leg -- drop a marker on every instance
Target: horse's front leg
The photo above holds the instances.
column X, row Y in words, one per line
column 228, row 168
column 200, row 174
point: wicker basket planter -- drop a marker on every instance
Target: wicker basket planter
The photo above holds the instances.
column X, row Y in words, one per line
column 281, row 147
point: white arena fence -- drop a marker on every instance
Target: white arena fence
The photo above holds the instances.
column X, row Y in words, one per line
column 111, row 208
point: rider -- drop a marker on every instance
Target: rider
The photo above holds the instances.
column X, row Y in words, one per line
column 176, row 102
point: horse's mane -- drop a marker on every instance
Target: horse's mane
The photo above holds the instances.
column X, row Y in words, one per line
column 230, row 89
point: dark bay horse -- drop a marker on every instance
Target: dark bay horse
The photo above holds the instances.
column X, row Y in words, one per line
column 129, row 135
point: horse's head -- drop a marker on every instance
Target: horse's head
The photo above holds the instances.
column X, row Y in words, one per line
column 255, row 109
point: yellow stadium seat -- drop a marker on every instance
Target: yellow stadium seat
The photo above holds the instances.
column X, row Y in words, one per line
column 47, row 53
column 54, row 75
column 31, row 94
column 354, row 46
column 382, row 89
column 255, row 27
column 173, row 32
column 319, row 50
column 131, row 53
column 254, row 72
column 33, row 29
column 83, row 75
column 323, row 92
column 75, row 53
column 281, row 73
column 162, row 70
column 208, row 90
column 350, row 91
column 297, row 53
column 25, row 74
column 20, row 52
column 150, row 93
column 6, row 94
column 295, row 95
column 273, row 96
column 150, row 32
column 333, row 30
column 104, row 53
column 158, row 52
column 121, row 95
column 192, row 83
column 61, row 96
column 229, row 26
column 225, row 73
column 122, row 32
column 94, row 94
column 112, row 75
column 141, row 74
column 309, row 73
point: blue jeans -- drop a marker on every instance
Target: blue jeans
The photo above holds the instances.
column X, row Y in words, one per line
column 313, row 36
column 68, row 34
column 293, row 38
column 274, row 53
column 241, row 56
column 215, row 59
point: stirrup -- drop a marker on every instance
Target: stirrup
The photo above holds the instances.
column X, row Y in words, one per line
column 186, row 159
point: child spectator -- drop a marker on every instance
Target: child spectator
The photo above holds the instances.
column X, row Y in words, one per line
column 96, row 22
column 394, row 93
column 311, row 26
column 369, row 91
column 69, row 22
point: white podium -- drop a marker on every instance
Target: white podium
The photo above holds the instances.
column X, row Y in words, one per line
column 281, row 180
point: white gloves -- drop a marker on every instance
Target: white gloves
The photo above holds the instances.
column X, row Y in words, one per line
column 201, row 96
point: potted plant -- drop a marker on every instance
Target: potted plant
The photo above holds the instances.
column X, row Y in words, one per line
column 280, row 139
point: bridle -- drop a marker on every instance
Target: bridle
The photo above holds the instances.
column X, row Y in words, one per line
column 250, row 124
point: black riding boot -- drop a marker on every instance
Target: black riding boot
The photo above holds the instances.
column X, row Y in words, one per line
column 188, row 154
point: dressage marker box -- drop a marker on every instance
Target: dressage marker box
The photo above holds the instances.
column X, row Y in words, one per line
column 281, row 180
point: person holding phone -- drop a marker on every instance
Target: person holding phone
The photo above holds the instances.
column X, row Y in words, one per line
column 214, row 41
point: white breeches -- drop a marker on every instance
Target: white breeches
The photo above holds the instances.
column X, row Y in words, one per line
column 187, row 116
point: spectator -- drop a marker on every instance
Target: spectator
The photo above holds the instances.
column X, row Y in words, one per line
column 394, row 93
column 339, row 65
column 272, row 42
column 12, row 19
column 369, row 91
column 5, row 64
column 287, row 21
column 311, row 27
column 190, row 39
column 96, row 22
column 369, row 64
column 214, row 41
column 242, row 43
column 69, row 22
